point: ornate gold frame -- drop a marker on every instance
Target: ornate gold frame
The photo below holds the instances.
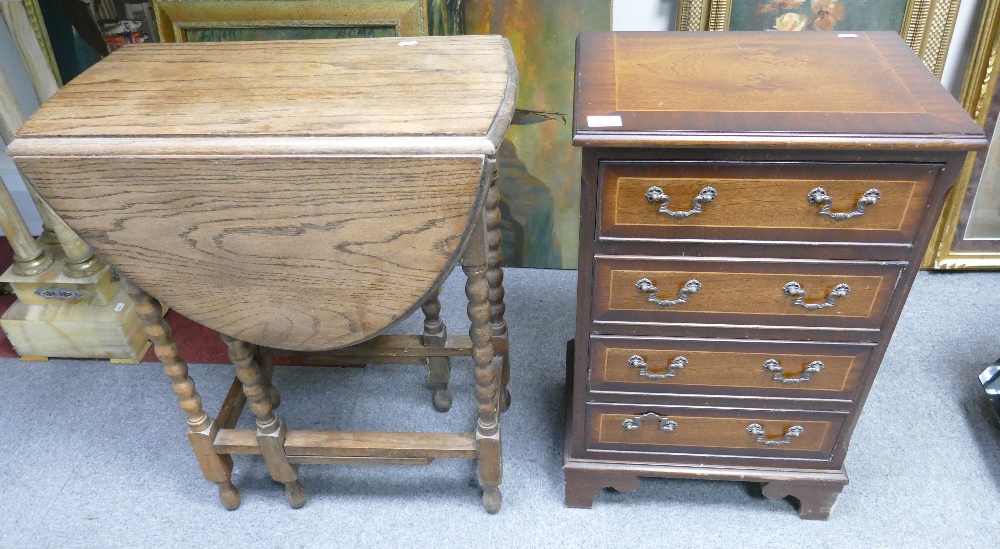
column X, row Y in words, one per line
column 173, row 17
column 977, row 95
column 927, row 25
column 42, row 34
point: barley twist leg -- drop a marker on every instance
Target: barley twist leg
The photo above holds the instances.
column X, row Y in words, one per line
column 438, row 367
column 266, row 362
column 494, row 275
column 486, row 372
column 271, row 430
column 217, row 468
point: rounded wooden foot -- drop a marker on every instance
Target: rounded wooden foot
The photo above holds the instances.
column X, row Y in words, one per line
column 295, row 494
column 505, row 400
column 492, row 500
column 229, row 495
column 442, row 399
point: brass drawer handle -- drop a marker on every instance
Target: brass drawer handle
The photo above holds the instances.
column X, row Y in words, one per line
column 637, row 361
column 793, row 432
column 771, row 365
column 819, row 196
column 646, row 286
column 633, row 423
column 656, row 194
column 794, row 288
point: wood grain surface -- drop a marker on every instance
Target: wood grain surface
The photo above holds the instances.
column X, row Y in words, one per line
column 355, row 443
column 442, row 86
column 749, row 293
column 695, row 78
column 771, row 89
column 306, row 255
column 765, row 201
column 713, row 430
column 730, row 367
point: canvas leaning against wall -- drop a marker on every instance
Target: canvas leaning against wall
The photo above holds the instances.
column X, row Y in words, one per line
column 539, row 167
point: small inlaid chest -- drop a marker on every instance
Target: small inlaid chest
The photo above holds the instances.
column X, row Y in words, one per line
column 754, row 208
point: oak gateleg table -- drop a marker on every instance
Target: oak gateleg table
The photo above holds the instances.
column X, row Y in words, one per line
column 303, row 196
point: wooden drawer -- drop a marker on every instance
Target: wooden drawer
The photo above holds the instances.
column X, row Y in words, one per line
column 663, row 430
column 762, row 201
column 744, row 292
column 726, row 367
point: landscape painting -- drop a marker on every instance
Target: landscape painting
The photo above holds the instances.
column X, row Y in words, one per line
column 539, row 167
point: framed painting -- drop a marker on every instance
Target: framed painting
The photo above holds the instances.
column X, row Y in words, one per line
column 243, row 20
column 925, row 25
column 539, row 167
column 968, row 233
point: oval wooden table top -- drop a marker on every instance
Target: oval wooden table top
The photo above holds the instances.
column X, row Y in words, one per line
column 299, row 195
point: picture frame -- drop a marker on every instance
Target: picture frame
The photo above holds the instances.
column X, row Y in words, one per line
column 225, row 20
column 953, row 245
column 925, row 25
column 24, row 19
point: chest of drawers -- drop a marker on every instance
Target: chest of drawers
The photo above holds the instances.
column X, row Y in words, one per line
column 754, row 207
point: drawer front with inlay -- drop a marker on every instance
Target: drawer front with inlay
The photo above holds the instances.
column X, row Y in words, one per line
column 751, row 292
column 773, row 202
column 708, row 431
column 727, row 367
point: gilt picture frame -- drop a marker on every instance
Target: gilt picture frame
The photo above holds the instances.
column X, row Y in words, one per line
column 967, row 235
column 925, row 25
column 232, row 20
column 33, row 14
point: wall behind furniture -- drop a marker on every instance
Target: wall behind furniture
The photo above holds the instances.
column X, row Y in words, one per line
column 10, row 64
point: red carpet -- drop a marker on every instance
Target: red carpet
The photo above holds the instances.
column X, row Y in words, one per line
column 198, row 344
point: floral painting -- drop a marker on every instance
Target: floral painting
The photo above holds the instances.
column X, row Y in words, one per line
column 822, row 15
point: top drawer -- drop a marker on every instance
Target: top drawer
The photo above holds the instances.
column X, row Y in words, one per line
column 795, row 202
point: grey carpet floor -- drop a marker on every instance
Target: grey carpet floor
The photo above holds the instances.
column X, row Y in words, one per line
column 94, row 455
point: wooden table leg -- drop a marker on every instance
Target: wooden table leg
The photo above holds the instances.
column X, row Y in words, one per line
column 438, row 367
column 271, row 429
column 217, row 468
column 266, row 362
column 486, row 372
column 494, row 275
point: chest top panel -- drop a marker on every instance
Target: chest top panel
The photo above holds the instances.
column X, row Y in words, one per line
column 769, row 89
column 420, row 87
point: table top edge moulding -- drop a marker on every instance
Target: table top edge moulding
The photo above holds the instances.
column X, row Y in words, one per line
column 914, row 115
column 158, row 198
